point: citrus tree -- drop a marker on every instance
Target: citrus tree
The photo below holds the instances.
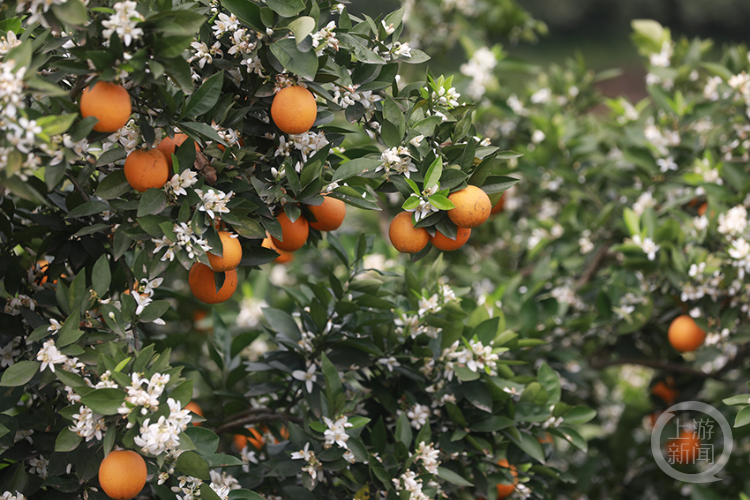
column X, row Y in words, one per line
column 623, row 247
column 155, row 154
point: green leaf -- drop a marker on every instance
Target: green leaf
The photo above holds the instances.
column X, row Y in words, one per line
column 333, row 381
column 301, row 63
column 527, row 443
column 154, row 310
column 153, row 201
column 452, row 477
column 67, row 440
column 579, row 415
column 244, row 494
column 88, row 208
column 355, row 167
column 246, row 11
column 494, row 423
column 206, row 441
column 740, row 399
column 479, row 395
column 104, row 401
column 101, row 276
column 301, row 27
column 432, row 177
column 403, row 430
column 743, row 417
column 550, row 382
column 282, row 322
column 56, row 125
column 19, row 373
column 286, row 8
column 114, row 185
column 72, row 12
column 572, row 436
column 632, row 221
column 190, row 463
column 205, row 98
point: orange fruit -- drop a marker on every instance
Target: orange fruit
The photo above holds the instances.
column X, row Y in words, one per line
column 294, row 233
column 107, row 102
column 667, row 393
column 283, row 257
column 122, row 475
column 446, row 244
column 684, row 449
column 294, row 110
column 169, row 145
column 146, row 168
column 702, row 209
column 546, row 438
column 473, row 207
column 256, row 439
column 239, row 441
column 405, row 237
column 505, row 490
column 499, row 205
column 203, row 286
column 685, row 335
column 195, row 408
column 329, row 214
column 231, row 254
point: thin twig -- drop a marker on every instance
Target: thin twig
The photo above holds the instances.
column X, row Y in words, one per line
column 660, row 365
column 77, row 185
column 594, row 265
column 255, row 419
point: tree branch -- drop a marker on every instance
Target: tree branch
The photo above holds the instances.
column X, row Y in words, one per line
column 660, row 365
column 594, row 265
column 257, row 418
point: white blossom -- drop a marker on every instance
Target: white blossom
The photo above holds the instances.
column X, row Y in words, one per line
column 123, row 22
column 308, row 376
column 50, row 356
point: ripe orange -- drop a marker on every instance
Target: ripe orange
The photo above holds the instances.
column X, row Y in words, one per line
column 107, row 102
column 294, row 233
column 667, row 393
column 146, row 168
column 499, row 205
column 684, row 449
column 239, row 441
column 546, row 438
column 405, row 237
column 231, row 254
column 446, row 244
column 329, row 214
column 283, row 257
column 702, row 209
column 122, row 475
column 505, row 490
column 168, row 145
column 294, row 110
column 473, row 207
column 195, row 408
column 203, row 286
column 685, row 335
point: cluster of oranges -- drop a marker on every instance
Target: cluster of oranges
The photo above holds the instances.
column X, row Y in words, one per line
column 472, row 208
column 202, row 279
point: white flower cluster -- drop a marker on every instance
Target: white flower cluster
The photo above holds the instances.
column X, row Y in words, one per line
column 325, row 38
column 8, row 43
column 86, row 426
column 628, row 303
column 177, row 184
column 349, row 95
column 308, row 144
column 124, row 22
column 13, row 305
column 10, row 496
column 225, row 24
column 314, row 468
column 164, row 434
column 128, row 136
column 336, row 432
column 480, row 68
column 409, row 482
column 7, row 353
column 418, row 415
column 147, row 399
column 397, row 160
column 428, row 455
column 447, row 98
column 644, row 201
column 214, row 200
column 734, row 221
column 647, row 245
column 661, row 139
column 203, row 53
column 661, row 59
column 50, row 356
column 477, row 357
column 37, row 8
column 187, row 239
